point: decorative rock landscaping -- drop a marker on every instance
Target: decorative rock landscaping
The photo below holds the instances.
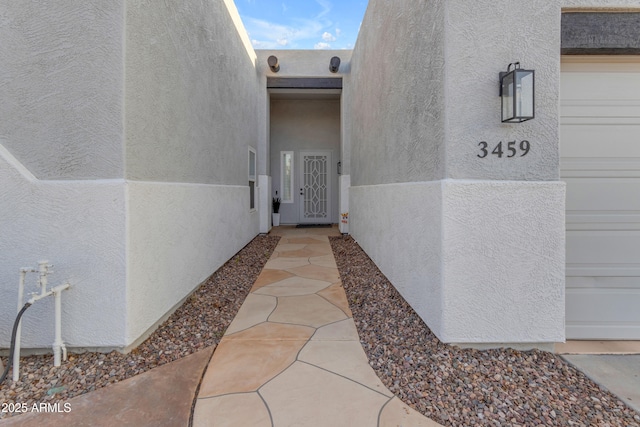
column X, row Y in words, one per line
column 457, row 387
column 199, row 323
column 452, row 386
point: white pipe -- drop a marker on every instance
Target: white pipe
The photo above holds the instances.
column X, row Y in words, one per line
column 43, row 268
column 58, row 345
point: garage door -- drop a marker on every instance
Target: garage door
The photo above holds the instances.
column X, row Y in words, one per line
column 600, row 162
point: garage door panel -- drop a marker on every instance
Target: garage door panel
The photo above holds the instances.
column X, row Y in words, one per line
column 604, row 331
column 603, row 282
column 577, row 111
column 610, row 305
column 600, row 162
column 599, row 140
column 600, row 167
column 621, row 249
column 619, row 85
column 618, row 196
column 605, row 313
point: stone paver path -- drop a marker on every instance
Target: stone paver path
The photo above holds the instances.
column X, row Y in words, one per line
column 292, row 356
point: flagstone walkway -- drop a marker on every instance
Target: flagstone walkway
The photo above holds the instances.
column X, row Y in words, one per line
column 292, row 356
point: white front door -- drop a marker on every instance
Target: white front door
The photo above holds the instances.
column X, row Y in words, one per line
column 315, row 187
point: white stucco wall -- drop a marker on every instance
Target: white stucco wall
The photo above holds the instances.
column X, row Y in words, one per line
column 79, row 226
column 420, row 98
column 503, row 261
column 395, row 94
column 178, row 235
column 192, row 112
column 304, row 125
column 310, row 132
column 345, row 186
column 479, row 261
column 181, row 80
column 477, row 50
column 400, row 228
column 302, row 63
column 191, row 90
column 62, row 87
column 61, row 167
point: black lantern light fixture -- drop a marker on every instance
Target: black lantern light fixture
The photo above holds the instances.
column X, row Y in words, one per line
column 517, row 90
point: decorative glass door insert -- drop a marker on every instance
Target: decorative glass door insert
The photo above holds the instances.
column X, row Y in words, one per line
column 315, row 194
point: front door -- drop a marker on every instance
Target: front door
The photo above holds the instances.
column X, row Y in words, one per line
column 315, row 191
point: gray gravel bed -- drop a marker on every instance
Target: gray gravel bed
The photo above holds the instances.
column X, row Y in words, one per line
column 199, row 323
column 465, row 387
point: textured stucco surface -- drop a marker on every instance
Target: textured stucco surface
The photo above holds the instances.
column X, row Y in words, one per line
column 181, row 79
column 61, row 87
column 79, row 226
column 304, row 124
column 395, row 94
column 503, row 261
column 178, row 235
column 479, row 261
column 191, row 93
column 309, row 129
column 419, row 99
column 345, row 186
column 423, row 96
column 303, row 63
column 264, row 203
column 481, row 42
column 400, row 228
column 193, row 108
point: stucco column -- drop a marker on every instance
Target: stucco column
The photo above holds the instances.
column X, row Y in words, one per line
column 464, row 214
column 502, row 202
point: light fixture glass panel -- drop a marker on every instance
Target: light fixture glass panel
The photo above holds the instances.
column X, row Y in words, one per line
column 525, row 94
column 507, row 97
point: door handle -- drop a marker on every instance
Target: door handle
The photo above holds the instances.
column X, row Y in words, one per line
column 301, row 192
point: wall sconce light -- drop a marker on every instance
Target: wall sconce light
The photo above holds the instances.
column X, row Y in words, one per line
column 517, row 90
column 334, row 64
column 273, row 63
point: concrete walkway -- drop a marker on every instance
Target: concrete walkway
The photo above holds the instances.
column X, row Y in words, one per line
column 161, row 397
column 292, row 355
column 614, row 365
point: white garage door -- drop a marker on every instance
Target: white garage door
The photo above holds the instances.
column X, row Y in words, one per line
column 600, row 162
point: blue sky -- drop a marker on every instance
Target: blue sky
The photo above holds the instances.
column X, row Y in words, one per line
column 302, row 24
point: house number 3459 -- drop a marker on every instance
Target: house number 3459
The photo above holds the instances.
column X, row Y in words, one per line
column 509, row 149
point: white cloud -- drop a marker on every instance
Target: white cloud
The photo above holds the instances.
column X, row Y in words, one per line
column 326, row 8
column 328, row 37
column 269, row 35
column 338, row 32
column 322, row 46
